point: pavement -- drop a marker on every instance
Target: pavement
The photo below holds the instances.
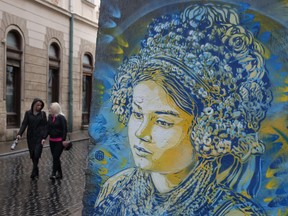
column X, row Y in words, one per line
column 20, row 195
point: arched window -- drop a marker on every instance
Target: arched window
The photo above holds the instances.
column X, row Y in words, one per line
column 13, row 78
column 53, row 76
column 87, row 68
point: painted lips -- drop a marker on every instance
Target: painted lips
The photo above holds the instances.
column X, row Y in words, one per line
column 141, row 152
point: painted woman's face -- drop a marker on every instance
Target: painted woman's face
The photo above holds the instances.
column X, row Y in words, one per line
column 159, row 131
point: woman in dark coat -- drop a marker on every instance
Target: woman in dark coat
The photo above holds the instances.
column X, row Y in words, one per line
column 35, row 119
column 57, row 131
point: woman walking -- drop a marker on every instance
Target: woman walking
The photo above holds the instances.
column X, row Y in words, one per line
column 35, row 119
column 57, row 131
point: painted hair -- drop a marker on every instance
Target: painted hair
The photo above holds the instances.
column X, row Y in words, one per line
column 213, row 68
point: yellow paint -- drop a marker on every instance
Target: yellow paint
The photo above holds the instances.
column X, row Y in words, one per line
column 119, row 128
column 285, row 3
column 118, row 59
column 244, row 193
column 122, row 42
column 123, row 163
column 106, row 153
column 102, row 171
column 235, row 213
column 104, row 162
column 282, row 97
column 268, row 199
column 270, row 173
column 280, row 213
column 273, row 184
column 117, row 50
column 267, row 127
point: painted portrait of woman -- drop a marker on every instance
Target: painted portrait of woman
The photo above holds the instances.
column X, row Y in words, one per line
column 192, row 99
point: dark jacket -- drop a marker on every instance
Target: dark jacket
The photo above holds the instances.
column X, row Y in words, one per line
column 58, row 128
column 36, row 128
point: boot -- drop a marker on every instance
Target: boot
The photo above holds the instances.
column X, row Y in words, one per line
column 59, row 175
column 35, row 171
column 33, row 174
column 53, row 176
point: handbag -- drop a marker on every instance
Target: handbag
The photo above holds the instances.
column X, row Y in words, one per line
column 67, row 144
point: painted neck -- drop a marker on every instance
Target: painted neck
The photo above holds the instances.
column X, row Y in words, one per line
column 167, row 182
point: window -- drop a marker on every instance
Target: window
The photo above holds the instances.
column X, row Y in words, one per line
column 13, row 78
column 53, row 76
column 86, row 88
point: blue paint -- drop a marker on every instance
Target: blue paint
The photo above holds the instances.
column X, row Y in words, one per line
column 279, row 201
column 268, row 138
column 109, row 24
column 264, row 37
column 99, row 155
column 106, row 39
column 108, row 135
column 279, row 163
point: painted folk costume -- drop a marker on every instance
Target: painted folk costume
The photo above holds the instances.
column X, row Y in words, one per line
column 132, row 192
column 206, row 57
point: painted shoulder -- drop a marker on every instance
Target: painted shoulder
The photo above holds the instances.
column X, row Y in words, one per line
column 231, row 203
column 114, row 183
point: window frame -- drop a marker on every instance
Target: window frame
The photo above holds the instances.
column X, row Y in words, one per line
column 14, row 59
column 87, row 72
column 54, row 66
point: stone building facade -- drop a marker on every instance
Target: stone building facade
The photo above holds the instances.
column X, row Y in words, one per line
column 47, row 50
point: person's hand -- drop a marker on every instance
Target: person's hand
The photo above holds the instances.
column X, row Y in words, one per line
column 18, row 137
column 43, row 141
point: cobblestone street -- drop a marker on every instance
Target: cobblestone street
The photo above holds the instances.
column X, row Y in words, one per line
column 23, row 196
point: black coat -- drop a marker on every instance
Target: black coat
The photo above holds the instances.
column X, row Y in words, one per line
column 57, row 128
column 36, row 129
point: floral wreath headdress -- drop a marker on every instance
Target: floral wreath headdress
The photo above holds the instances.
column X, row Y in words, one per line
column 221, row 65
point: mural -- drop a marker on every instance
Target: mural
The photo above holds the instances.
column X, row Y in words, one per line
column 189, row 111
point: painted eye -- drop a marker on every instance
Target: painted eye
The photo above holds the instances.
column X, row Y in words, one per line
column 137, row 115
column 164, row 124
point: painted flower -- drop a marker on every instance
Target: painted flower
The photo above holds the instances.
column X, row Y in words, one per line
column 238, row 41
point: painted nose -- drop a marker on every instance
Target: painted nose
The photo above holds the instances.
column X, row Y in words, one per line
column 144, row 132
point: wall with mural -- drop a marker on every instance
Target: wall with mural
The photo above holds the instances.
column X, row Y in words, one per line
column 189, row 111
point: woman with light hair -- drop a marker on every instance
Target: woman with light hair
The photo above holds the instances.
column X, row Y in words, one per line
column 193, row 99
column 57, row 131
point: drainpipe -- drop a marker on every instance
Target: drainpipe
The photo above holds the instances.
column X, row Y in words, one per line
column 70, row 117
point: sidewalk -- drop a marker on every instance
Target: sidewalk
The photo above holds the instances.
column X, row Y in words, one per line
column 5, row 147
column 22, row 196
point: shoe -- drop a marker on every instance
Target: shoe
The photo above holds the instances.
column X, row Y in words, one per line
column 33, row 175
column 59, row 176
column 53, row 176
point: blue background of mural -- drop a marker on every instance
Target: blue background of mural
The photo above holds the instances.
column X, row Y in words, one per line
column 122, row 25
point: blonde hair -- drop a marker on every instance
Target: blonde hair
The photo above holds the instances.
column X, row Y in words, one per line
column 56, row 108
